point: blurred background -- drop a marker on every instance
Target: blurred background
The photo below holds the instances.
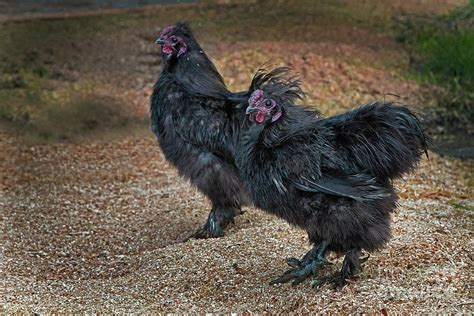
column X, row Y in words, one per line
column 88, row 195
column 66, row 64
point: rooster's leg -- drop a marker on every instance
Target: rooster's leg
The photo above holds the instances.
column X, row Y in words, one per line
column 218, row 220
column 302, row 269
column 351, row 267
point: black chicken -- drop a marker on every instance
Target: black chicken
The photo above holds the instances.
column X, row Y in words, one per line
column 331, row 177
column 193, row 115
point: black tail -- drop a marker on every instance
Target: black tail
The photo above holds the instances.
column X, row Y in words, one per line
column 383, row 138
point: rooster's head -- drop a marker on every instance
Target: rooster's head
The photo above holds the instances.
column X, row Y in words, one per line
column 263, row 109
column 175, row 40
column 271, row 93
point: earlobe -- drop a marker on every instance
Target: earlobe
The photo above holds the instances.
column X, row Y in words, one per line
column 276, row 116
column 181, row 51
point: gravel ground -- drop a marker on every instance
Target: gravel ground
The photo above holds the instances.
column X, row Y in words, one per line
column 99, row 227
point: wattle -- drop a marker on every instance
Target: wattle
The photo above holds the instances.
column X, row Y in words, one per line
column 260, row 117
column 167, row 49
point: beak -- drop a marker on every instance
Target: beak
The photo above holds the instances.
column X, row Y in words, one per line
column 250, row 109
column 159, row 41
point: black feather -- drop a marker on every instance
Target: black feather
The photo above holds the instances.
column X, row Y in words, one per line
column 194, row 71
column 383, row 138
column 331, row 177
column 194, row 118
column 359, row 187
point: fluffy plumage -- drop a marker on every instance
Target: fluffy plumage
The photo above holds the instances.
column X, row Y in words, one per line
column 193, row 119
column 385, row 138
column 330, row 177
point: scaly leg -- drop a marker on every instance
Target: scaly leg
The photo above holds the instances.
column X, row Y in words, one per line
column 219, row 218
column 351, row 267
column 308, row 265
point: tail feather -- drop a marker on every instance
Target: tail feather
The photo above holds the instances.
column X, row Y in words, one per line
column 385, row 139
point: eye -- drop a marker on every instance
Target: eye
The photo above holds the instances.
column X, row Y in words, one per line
column 174, row 39
column 268, row 103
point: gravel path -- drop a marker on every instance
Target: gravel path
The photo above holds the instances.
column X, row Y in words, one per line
column 99, row 227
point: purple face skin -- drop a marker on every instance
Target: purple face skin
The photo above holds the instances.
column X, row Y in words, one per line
column 170, row 42
column 260, row 109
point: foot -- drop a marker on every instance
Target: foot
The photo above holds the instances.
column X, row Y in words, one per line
column 351, row 268
column 307, row 266
column 218, row 220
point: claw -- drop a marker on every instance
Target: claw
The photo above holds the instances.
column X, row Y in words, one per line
column 293, row 262
column 337, row 280
column 203, row 233
column 362, row 260
column 307, row 266
column 299, row 272
column 217, row 221
column 285, row 277
column 341, row 278
column 350, row 269
column 318, row 282
column 299, row 275
column 339, row 283
column 198, row 234
column 300, row 279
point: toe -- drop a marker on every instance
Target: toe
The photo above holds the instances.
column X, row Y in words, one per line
column 298, row 274
column 198, row 234
column 318, row 282
column 339, row 283
column 362, row 260
column 204, row 232
column 300, row 279
column 293, row 262
column 285, row 277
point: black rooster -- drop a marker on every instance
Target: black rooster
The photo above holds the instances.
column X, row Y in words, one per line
column 331, row 177
column 193, row 115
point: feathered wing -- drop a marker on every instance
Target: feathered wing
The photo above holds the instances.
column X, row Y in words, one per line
column 380, row 140
column 298, row 130
column 309, row 168
column 202, row 123
column 384, row 139
column 359, row 187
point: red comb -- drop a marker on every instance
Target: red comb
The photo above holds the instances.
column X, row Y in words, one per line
column 256, row 97
column 166, row 30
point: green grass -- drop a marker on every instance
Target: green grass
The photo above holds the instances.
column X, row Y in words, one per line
column 441, row 52
column 445, row 49
column 449, row 56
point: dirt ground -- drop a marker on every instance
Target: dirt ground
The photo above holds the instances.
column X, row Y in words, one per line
column 98, row 226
